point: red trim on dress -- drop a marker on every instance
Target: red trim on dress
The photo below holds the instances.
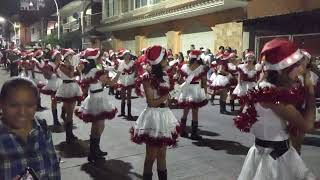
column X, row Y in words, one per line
column 155, row 141
column 245, row 120
column 86, row 117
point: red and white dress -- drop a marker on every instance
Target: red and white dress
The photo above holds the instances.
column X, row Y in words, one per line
column 220, row 81
column 248, row 80
column 272, row 157
column 127, row 77
column 53, row 81
column 26, row 69
column 69, row 90
column 97, row 105
column 192, row 95
column 156, row 126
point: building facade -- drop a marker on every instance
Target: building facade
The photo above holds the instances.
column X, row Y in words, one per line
column 31, row 5
column 136, row 24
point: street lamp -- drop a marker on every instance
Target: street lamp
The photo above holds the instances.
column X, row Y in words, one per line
column 2, row 19
column 58, row 14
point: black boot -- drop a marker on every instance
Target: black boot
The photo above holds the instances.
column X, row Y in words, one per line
column 223, row 107
column 129, row 112
column 232, row 105
column 162, row 175
column 212, row 100
column 194, row 131
column 183, row 125
column 70, row 137
column 39, row 107
column 147, row 176
column 123, row 111
column 63, row 114
column 55, row 117
column 95, row 154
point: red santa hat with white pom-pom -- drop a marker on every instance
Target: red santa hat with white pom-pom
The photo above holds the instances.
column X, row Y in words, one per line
column 122, row 52
column 195, row 54
column 54, row 53
column 67, row 52
column 155, row 54
column 92, row 53
column 280, row 54
column 39, row 53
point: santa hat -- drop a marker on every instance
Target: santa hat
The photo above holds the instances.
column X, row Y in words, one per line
column 67, row 52
column 306, row 53
column 16, row 51
column 122, row 52
column 228, row 56
column 155, row 54
column 196, row 54
column 92, row 53
column 39, row 53
column 280, row 54
column 54, row 53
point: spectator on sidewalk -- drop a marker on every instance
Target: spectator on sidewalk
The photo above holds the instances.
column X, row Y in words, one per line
column 25, row 140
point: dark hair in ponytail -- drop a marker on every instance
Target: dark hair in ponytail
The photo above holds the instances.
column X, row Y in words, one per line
column 157, row 71
column 89, row 66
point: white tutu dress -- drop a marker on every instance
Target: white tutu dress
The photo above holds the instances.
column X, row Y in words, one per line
column 69, row 90
column 96, row 106
column 192, row 95
column 279, row 161
column 248, row 80
column 156, row 126
column 52, row 84
column 127, row 77
column 220, row 81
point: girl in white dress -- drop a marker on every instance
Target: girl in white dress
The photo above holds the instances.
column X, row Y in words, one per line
column 273, row 105
column 194, row 92
column 52, row 82
column 69, row 92
column 126, row 80
column 96, row 107
column 156, row 126
column 247, row 77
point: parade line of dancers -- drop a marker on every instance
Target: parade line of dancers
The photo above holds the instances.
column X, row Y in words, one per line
column 276, row 92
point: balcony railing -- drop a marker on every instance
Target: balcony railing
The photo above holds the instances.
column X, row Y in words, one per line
column 71, row 26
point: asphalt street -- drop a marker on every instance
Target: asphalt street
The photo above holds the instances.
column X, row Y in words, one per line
column 219, row 156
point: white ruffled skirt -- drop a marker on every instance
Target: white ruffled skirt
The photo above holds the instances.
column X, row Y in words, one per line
column 126, row 81
column 192, row 96
column 157, row 127
column 242, row 89
column 220, row 82
column 69, row 92
column 259, row 165
column 96, row 107
column 51, row 86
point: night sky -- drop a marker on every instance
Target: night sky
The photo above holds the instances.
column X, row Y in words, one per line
column 8, row 8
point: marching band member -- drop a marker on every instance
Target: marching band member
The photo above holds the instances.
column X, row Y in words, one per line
column 247, row 78
column 53, row 82
column 193, row 94
column 69, row 92
column 126, row 80
column 96, row 107
column 273, row 105
column 156, row 126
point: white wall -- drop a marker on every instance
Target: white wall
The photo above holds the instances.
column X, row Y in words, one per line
column 199, row 39
column 162, row 41
column 35, row 35
column 130, row 45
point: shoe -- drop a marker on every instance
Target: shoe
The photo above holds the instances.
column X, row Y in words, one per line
column 123, row 112
column 194, row 131
column 70, row 137
column 162, row 175
column 183, row 125
column 55, row 117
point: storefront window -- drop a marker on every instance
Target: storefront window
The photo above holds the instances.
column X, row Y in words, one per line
column 124, row 6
